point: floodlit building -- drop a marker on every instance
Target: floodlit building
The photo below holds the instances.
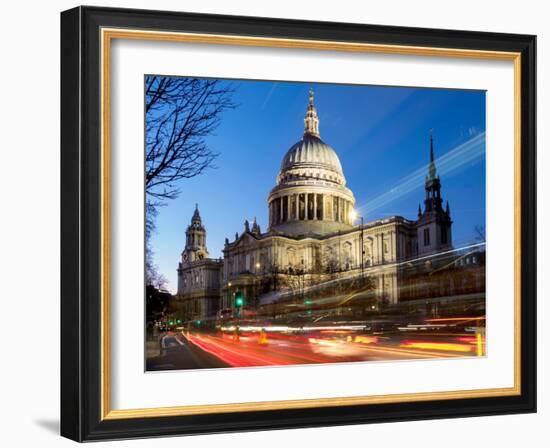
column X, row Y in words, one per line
column 314, row 236
column 199, row 276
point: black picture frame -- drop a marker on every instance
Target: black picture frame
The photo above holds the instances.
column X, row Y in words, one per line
column 81, row 224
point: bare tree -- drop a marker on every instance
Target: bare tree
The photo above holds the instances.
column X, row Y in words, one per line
column 179, row 114
column 152, row 276
column 479, row 232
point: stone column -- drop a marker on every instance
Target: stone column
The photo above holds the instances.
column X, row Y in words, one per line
column 395, row 290
column 392, row 246
column 297, row 207
column 306, row 199
column 346, row 212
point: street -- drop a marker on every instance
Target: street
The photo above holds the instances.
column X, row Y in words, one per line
column 177, row 354
column 192, row 350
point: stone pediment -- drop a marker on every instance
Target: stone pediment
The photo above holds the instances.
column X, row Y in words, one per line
column 246, row 239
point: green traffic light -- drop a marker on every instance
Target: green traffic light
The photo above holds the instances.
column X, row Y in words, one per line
column 239, row 300
column 171, row 323
column 308, row 302
column 178, row 321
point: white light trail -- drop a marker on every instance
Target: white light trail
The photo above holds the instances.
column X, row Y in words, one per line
column 451, row 161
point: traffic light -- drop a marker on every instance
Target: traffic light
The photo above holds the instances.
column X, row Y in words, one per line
column 239, row 300
column 178, row 321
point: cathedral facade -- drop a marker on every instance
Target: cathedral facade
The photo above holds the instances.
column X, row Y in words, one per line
column 313, row 236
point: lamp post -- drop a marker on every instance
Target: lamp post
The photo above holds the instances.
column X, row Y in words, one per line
column 257, row 284
column 229, row 296
column 362, row 254
column 302, row 285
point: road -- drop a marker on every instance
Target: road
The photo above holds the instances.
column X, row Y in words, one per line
column 178, row 353
column 200, row 350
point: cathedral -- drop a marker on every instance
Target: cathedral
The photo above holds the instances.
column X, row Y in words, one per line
column 314, row 235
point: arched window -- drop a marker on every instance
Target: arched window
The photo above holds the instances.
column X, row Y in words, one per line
column 291, row 256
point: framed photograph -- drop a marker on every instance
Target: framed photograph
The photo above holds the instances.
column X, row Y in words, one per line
column 277, row 224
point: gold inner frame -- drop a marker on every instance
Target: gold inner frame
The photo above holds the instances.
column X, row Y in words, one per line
column 107, row 35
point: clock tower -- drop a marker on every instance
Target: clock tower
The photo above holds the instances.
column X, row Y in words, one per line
column 195, row 241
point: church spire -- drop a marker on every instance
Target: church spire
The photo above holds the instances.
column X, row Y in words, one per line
column 196, row 219
column 311, row 120
column 433, row 202
column 431, row 168
column 434, row 224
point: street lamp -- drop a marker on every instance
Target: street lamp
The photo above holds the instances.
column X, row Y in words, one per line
column 228, row 302
column 303, row 273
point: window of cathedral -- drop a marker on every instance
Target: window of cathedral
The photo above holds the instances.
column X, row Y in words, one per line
column 310, row 207
column 320, row 206
column 426, row 237
column 275, row 211
column 291, row 256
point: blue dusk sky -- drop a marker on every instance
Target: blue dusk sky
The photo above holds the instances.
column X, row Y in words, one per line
column 381, row 135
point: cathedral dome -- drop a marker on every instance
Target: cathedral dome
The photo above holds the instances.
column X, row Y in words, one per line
column 311, row 153
column 311, row 196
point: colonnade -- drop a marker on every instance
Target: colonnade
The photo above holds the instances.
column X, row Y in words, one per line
column 309, row 206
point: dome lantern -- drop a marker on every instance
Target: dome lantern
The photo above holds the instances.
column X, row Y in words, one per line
column 311, row 120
